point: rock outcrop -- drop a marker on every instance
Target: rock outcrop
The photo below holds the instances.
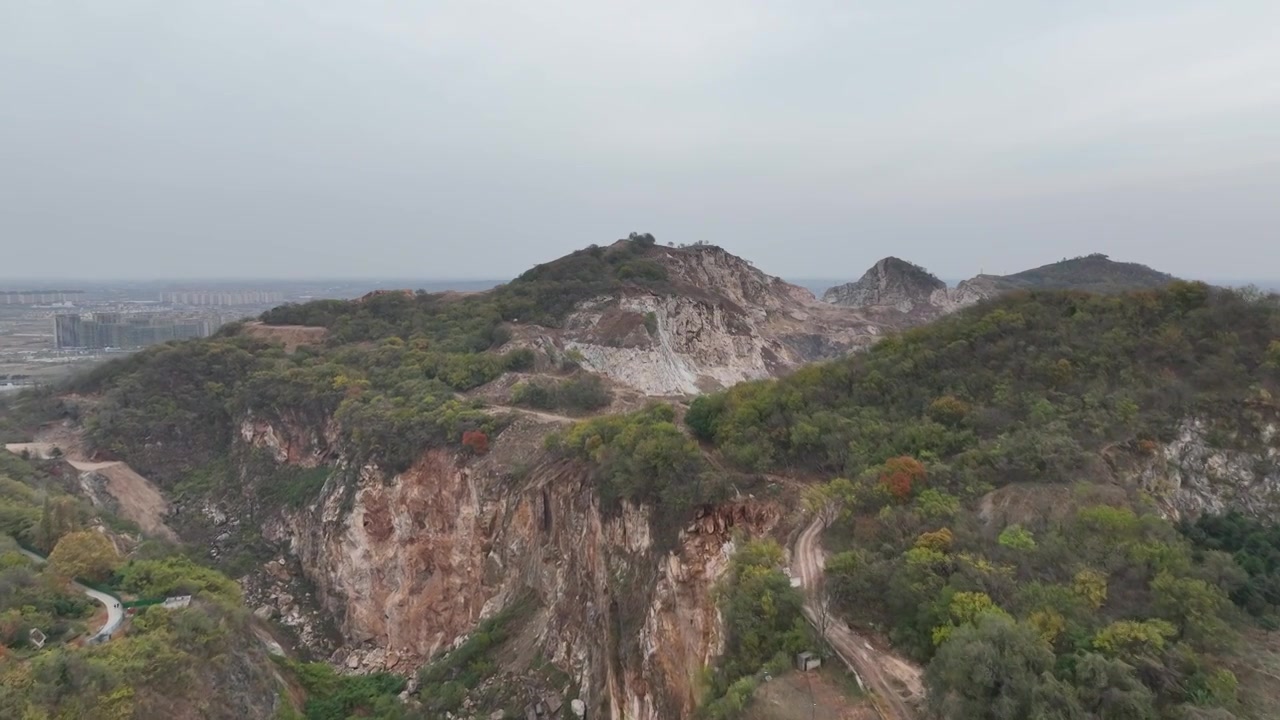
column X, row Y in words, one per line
column 719, row 322
column 408, row 565
column 892, row 282
column 906, row 294
column 1207, row 469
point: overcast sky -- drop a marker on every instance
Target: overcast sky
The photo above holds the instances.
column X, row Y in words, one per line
column 476, row 138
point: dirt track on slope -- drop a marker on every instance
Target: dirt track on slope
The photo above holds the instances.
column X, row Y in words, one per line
column 139, row 501
column 895, row 684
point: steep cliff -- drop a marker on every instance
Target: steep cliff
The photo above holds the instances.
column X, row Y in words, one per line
column 408, row 564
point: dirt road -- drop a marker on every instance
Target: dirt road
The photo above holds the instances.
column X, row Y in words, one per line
column 548, row 417
column 115, row 613
column 892, row 681
column 132, row 496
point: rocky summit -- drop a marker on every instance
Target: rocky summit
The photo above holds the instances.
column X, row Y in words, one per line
column 902, row 293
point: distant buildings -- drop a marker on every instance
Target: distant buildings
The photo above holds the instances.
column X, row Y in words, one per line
column 37, row 297
column 230, row 298
column 125, row 330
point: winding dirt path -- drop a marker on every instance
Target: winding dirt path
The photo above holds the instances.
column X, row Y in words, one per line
column 115, row 613
column 892, row 681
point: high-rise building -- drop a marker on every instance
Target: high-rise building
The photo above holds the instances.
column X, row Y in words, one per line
column 68, row 331
column 126, row 331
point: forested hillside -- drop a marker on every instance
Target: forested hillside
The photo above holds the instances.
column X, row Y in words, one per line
column 1089, row 604
column 389, row 373
column 203, row 661
column 1020, row 388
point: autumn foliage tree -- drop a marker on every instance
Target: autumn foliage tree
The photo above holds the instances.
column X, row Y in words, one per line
column 901, row 476
column 476, row 440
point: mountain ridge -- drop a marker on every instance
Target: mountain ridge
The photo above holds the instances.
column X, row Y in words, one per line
column 911, row 290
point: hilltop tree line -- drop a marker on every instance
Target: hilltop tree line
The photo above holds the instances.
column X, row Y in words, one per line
column 543, row 295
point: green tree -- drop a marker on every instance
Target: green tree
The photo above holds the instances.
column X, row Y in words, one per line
column 762, row 612
column 1273, row 355
column 1109, row 689
column 1131, row 639
column 1016, row 537
column 965, row 608
column 1091, row 586
column 993, row 670
column 1193, row 605
column 830, row 500
column 948, row 410
column 85, row 554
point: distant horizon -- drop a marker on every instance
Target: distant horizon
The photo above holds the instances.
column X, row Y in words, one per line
column 473, row 282
column 12, row 285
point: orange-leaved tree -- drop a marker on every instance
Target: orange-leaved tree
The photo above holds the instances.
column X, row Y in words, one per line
column 476, row 440
column 901, row 476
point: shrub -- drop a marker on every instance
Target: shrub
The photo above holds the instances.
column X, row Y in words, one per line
column 476, row 441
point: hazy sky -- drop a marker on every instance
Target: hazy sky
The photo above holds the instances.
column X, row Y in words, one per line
column 476, row 138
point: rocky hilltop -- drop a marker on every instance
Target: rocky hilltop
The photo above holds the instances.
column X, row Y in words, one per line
column 892, row 282
column 716, row 321
column 911, row 291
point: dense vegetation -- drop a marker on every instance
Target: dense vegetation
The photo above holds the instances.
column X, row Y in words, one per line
column 1104, row 590
column 331, row 696
column 1018, row 389
column 1255, row 548
column 643, row 457
column 1079, row 609
column 581, row 393
column 543, row 295
column 764, row 627
column 33, row 597
column 169, row 661
column 170, row 410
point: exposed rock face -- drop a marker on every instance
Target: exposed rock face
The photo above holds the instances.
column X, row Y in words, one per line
column 1201, row 471
column 907, row 291
column 723, row 322
column 893, row 282
column 916, row 296
column 408, row 565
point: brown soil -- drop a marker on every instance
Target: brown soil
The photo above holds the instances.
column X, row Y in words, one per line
column 1027, row 503
column 809, row 696
column 291, row 336
column 139, row 500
